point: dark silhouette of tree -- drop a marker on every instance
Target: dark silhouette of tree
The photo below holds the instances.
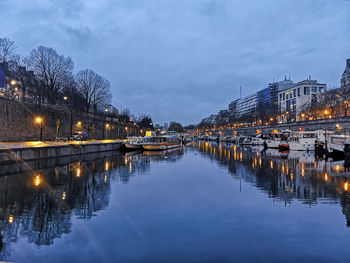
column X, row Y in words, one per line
column 8, row 51
column 52, row 69
column 95, row 89
column 175, row 126
column 145, row 121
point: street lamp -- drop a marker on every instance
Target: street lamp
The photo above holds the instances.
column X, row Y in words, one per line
column 40, row 122
column 13, row 82
column 65, row 97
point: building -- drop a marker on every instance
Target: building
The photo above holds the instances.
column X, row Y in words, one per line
column 165, row 126
column 345, row 79
column 292, row 101
column 247, row 105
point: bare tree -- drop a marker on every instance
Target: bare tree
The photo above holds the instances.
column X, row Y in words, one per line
column 52, row 69
column 95, row 89
column 8, row 51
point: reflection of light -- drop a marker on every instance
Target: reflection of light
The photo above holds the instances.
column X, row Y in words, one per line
column 63, row 195
column 105, row 179
column 78, row 172
column 326, row 177
column 346, row 186
column 37, row 180
column 11, row 219
column 106, row 165
column 271, row 164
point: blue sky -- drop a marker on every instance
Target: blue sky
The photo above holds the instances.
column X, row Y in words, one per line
column 183, row 60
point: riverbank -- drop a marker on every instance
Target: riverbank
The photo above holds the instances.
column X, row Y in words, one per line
column 33, row 150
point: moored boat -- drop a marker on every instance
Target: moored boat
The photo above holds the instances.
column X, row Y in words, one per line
column 157, row 143
column 134, row 143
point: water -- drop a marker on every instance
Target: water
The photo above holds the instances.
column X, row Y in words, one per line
column 204, row 203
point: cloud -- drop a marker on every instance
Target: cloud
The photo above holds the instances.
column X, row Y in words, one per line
column 185, row 59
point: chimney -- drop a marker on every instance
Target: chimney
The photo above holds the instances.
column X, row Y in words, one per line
column 348, row 63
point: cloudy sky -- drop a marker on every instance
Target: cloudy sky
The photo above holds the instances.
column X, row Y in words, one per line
column 185, row 59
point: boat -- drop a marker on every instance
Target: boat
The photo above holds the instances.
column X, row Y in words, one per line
column 157, row 143
column 336, row 143
column 304, row 140
column 134, row 143
column 275, row 139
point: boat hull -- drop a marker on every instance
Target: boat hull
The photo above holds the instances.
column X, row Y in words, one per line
column 133, row 146
column 159, row 147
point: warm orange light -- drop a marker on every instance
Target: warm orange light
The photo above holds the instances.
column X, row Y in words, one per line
column 303, row 115
column 38, row 120
column 37, row 180
column 107, row 126
column 64, row 195
column 12, row 82
column 271, row 119
column 78, row 172
column 106, row 165
column 346, row 186
column 326, row 112
column 79, row 123
column 11, row 219
column 326, row 177
column 126, row 128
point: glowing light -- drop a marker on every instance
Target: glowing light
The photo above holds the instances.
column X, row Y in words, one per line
column 12, row 82
column 79, row 123
column 107, row 126
column 64, row 195
column 106, row 165
column 346, row 186
column 326, row 177
column 38, row 120
column 65, row 98
column 78, row 172
column 326, row 112
column 37, row 180
column 11, row 219
column 105, row 179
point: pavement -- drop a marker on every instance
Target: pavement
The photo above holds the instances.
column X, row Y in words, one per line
column 39, row 144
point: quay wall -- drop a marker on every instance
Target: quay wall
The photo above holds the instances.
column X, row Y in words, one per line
column 23, row 154
column 329, row 124
column 17, row 123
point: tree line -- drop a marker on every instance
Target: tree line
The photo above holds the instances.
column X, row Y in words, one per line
column 49, row 79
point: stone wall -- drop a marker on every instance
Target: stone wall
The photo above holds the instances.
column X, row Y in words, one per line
column 17, row 123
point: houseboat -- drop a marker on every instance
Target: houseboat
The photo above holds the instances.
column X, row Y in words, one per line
column 158, row 143
column 303, row 140
column 134, row 143
column 336, row 143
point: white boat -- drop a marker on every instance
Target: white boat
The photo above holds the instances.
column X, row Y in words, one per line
column 275, row 139
column 305, row 140
column 162, row 143
column 336, row 143
column 258, row 140
column 135, row 143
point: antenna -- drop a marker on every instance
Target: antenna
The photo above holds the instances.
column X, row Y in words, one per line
column 240, row 92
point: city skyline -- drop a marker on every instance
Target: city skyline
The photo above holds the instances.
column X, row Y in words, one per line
column 190, row 57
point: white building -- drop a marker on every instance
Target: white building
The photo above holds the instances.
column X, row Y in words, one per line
column 247, row 104
column 293, row 100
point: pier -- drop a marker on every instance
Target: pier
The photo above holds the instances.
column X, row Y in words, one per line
column 37, row 150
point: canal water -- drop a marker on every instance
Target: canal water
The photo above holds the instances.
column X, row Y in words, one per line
column 203, row 203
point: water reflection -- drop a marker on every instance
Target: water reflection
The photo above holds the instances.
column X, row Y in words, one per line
column 39, row 198
column 285, row 176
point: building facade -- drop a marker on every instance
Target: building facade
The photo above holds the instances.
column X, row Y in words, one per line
column 247, row 105
column 345, row 79
column 292, row 101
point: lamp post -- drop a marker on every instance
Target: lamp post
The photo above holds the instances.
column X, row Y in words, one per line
column 40, row 122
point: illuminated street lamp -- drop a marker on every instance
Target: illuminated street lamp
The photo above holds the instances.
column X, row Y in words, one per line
column 40, row 122
column 65, row 97
column 13, row 82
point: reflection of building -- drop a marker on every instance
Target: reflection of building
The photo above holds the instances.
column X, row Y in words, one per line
column 284, row 178
column 292, row 101
column 345, row 79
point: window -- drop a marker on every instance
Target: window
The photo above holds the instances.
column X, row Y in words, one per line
column 287, row 95
column 321, row 89
column 294, row 93
column 283, row 97
column 306, row 90
column 280, row 96
column 314, row 89
column 298, row 91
